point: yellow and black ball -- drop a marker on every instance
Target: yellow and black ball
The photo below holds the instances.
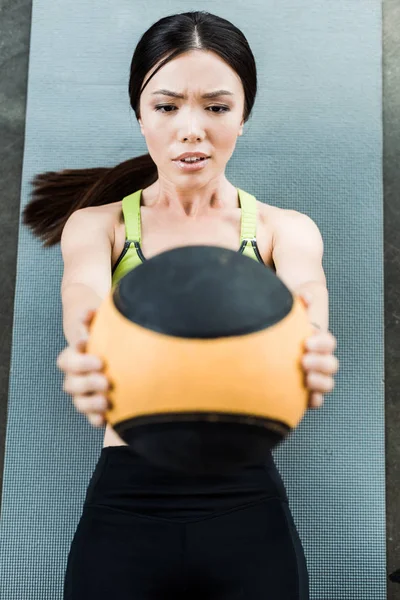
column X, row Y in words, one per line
column 203, row 348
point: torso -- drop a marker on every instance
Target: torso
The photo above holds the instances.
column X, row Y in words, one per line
column 161, row 233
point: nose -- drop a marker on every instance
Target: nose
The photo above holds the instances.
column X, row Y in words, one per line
column 191, row 138
column 191, row 129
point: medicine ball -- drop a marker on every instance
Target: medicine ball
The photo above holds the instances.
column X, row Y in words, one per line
column 203, row 347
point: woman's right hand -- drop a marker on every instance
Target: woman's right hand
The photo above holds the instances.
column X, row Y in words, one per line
column 83, row 377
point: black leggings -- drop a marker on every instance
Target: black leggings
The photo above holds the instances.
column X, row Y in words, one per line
column 150, row 534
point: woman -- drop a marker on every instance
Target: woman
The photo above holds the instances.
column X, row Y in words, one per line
column 146, row 533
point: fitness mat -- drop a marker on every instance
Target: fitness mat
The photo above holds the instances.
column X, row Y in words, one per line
column 314, row 144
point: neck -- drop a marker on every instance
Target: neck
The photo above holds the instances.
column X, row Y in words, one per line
column 191, row 202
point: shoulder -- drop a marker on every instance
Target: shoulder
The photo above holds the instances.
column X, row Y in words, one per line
column 271, row 216
column 104, row 217
column 292, row 226
column 105, row 211
column 267, row 211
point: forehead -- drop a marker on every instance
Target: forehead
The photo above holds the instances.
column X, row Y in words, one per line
column 197, row 70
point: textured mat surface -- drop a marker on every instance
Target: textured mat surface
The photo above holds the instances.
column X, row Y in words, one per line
column 314, row 143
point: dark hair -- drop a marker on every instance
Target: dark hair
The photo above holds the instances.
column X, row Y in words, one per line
column 56, row 195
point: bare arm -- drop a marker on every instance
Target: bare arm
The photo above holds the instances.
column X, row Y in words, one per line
column 86, row 248
column 77, row 299
column 297, row 252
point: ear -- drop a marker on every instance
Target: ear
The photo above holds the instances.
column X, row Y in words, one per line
column 241, row 129
column 141, row 126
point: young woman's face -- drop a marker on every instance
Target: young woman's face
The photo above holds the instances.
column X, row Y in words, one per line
column 173, row 126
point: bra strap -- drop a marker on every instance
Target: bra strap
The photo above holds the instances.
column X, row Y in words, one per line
column 131, row 211
column 248, row 205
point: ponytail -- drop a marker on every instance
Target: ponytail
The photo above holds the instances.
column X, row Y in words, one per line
column 57, row 195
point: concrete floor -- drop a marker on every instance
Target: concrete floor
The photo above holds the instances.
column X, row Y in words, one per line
column 15, row 22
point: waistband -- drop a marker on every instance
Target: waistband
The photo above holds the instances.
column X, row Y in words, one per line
column 125, row 481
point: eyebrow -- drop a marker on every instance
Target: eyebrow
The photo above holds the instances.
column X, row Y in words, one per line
column 207, row 95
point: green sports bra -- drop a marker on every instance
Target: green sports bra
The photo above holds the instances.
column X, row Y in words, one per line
column 132, row 256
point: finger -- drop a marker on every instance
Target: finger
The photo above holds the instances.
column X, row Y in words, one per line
column 96, row 420
column 323, row 342
column 96, row 404
column 85, row 384
column 326, row 364
column 318, row 383
column 79, row 363
column 316, row 400
column 61, row 359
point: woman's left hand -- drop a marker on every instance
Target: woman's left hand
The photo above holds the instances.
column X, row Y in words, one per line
column 319, row 366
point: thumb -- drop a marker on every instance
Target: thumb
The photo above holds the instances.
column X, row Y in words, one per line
column 306, row 297
column 88, row 315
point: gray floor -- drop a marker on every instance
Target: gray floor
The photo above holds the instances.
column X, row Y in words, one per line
column 15, row 22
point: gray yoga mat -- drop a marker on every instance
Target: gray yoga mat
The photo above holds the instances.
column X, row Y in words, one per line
column 314, row 144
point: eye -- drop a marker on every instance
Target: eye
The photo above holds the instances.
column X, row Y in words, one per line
column 222, row 109
column 159, row 107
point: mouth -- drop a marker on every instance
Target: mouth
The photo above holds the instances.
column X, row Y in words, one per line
column 192, row 165
column 191, row 159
